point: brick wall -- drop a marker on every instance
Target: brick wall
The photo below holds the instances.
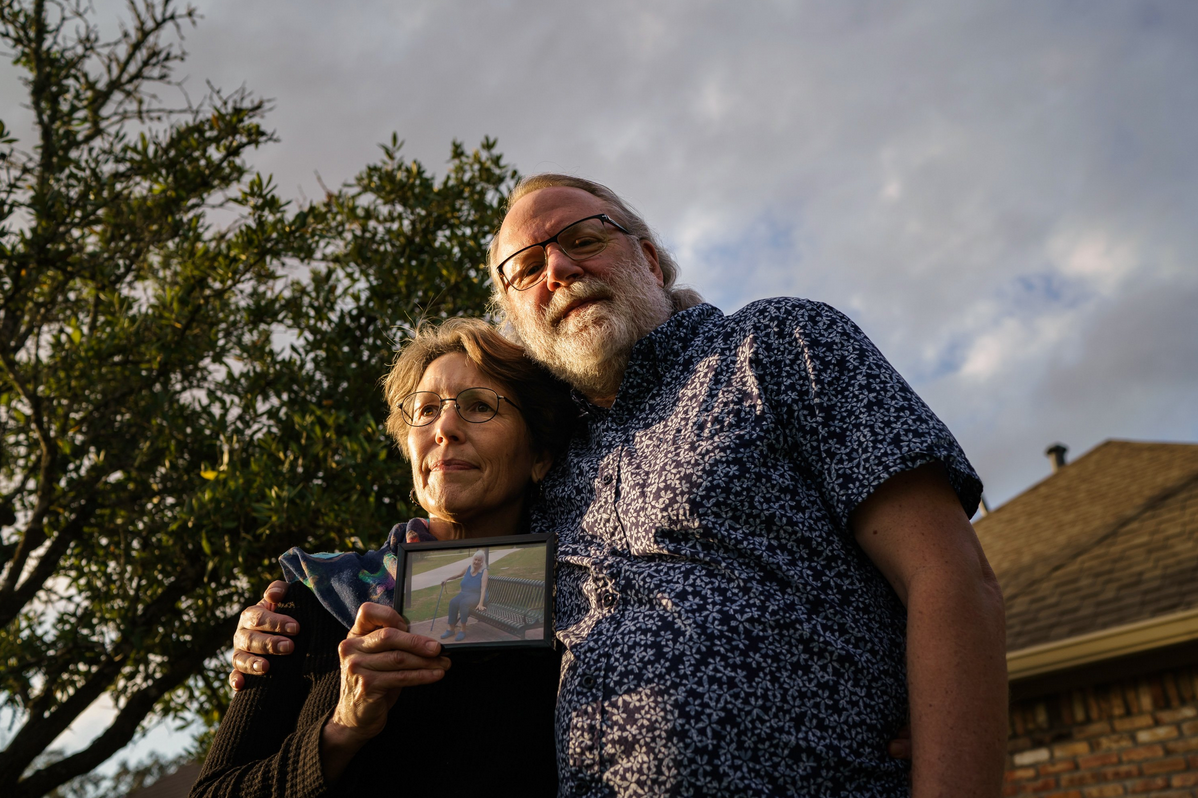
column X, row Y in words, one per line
column 1135, row 737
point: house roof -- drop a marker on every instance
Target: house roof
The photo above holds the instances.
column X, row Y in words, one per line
column 1111, row 539
column 176, row 785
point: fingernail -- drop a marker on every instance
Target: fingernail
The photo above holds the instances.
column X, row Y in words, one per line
column 432, row 647
column 292, row 628
column 285, row 647
column 257, row 666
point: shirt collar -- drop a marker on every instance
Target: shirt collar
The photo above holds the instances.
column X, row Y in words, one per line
column 667, row 343
column 653, row 354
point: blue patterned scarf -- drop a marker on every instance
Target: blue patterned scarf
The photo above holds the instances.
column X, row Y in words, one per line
column 343, row 581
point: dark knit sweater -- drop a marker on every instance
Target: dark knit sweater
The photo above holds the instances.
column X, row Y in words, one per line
column 487, row 725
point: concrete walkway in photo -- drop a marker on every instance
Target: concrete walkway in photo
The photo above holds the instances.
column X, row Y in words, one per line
column 434, row 577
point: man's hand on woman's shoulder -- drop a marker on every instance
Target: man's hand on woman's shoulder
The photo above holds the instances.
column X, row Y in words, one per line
column 261, row 631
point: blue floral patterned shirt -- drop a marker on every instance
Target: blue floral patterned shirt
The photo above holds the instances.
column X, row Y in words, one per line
column 725, row 634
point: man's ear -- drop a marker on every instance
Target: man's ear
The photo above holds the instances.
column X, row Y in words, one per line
column 651, row 256
column 540, row 465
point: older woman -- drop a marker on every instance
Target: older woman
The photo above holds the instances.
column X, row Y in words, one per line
column 372, row 707
column 473, row 593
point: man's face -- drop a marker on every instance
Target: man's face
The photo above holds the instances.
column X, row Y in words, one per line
column 583, row 319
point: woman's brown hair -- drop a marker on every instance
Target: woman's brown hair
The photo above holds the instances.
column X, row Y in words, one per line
column 544, row 401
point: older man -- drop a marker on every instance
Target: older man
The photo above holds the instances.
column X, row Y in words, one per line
column 765, row 562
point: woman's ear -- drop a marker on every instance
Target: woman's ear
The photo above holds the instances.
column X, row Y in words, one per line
column 540, row 465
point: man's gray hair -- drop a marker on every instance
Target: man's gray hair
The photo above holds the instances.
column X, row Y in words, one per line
column 681, row 297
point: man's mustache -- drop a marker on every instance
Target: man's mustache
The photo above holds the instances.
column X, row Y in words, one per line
column 587, row 290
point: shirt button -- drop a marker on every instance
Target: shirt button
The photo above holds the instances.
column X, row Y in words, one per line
column 609, row 600
column 588, row 681
column 607, row 479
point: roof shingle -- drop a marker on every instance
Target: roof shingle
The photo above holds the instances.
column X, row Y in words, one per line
column 1110, row 539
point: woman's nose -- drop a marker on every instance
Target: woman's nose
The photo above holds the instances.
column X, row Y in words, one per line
column 449, row 425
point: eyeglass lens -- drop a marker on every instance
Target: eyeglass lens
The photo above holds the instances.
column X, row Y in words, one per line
column 475, row 405
column 579, row 241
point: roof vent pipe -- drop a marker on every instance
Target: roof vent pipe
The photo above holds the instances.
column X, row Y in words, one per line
column 1056, row 455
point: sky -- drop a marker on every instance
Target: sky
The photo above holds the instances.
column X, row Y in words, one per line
column 996, row 192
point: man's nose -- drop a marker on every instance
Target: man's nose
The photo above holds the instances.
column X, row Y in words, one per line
column 560, row 270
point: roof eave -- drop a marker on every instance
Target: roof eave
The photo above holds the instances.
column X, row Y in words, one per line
column 1118, row 641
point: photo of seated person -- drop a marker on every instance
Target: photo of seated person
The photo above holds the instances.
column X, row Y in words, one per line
column 474, row 597
column 473, row 591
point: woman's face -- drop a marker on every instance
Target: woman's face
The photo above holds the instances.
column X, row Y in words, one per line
column 472, row 474
column 478, row 562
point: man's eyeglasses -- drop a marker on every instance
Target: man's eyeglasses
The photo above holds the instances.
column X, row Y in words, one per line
column 475, row 405
column 583, row 239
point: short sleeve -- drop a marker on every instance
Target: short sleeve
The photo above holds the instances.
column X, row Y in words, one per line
column 849, row 416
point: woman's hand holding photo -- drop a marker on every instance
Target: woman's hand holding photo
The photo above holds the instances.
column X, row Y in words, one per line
column 379, row 657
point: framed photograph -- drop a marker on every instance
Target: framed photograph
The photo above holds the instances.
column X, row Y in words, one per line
column 478, row 594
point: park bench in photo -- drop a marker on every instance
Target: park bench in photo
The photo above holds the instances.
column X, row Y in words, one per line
column 513, row 605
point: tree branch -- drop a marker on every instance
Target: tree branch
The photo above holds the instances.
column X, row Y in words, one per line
column 124, row 726
column 34, row 531
column 12, row 601
column 37, row 733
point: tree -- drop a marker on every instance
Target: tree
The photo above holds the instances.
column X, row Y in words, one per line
column 188, row 370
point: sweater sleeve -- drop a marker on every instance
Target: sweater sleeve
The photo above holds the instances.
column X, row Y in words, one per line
column 269, row 741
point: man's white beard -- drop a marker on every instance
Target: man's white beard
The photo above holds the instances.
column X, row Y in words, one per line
column 590, row 348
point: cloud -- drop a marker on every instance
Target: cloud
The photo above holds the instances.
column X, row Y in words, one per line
column 990, row 189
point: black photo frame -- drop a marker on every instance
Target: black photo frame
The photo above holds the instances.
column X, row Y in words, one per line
column 518, row 604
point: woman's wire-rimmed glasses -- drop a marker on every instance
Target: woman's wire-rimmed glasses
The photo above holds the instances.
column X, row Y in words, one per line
column 580, row 240
column 476, row 405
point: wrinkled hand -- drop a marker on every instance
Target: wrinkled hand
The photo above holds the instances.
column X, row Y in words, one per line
column 258, row 632
column 378, row 658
